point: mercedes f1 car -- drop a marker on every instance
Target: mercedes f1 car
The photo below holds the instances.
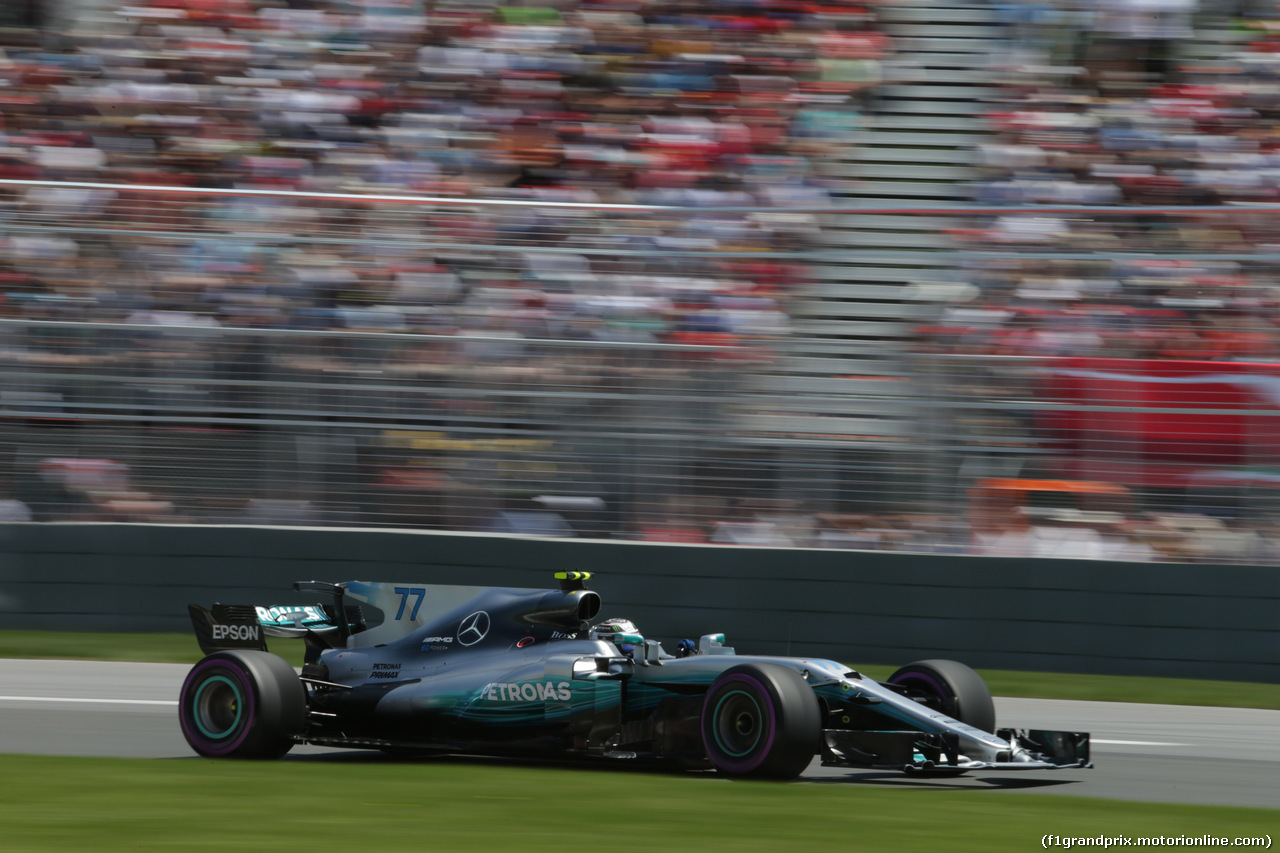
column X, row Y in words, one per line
column 420, row 670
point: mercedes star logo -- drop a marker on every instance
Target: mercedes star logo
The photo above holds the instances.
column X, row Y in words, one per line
column 473, row 628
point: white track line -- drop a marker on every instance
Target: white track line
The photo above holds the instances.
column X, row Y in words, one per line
column 1135, row 742
column 88, row 701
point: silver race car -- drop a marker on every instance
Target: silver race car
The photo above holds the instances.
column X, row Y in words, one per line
column 419, row 669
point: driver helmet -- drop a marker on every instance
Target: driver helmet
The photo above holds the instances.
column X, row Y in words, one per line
column 609, row 628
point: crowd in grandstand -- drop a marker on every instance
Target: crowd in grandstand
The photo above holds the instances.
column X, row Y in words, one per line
column 699, row 106
column 519, row 108
column 1145, row 109
column 616, row 102
column 1120, row 111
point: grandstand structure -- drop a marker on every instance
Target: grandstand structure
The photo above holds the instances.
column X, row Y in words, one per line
column 883, row 272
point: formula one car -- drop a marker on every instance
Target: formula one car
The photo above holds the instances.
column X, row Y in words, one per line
column 420, row 670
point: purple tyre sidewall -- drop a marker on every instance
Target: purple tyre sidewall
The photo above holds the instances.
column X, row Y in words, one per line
column 935, row 686
column 770, row 708
column 186, row 713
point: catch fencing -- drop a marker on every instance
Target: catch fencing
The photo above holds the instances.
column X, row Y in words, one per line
column 546, row 365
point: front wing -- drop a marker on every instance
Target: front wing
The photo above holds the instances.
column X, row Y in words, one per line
column 1035, row 749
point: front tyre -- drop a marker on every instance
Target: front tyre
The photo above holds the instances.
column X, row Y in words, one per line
column 242, row 703
column 761, row 721
column 950, row 687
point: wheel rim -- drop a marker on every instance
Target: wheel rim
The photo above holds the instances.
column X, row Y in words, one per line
column 218, row 707
column 739, row 723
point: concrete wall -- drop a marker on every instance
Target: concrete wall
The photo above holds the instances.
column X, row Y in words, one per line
column 1200, row 621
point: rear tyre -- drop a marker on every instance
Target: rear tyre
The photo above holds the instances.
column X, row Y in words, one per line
column 761, row 721
column 950, row 687
column 242, row 703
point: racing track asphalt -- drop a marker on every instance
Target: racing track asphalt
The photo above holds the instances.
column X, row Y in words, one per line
column 1158, row 753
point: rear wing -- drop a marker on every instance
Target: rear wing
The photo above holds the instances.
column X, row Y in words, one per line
column 245, row 626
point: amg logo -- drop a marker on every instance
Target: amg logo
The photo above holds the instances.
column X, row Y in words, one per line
column 438, row 640
column 237, row 632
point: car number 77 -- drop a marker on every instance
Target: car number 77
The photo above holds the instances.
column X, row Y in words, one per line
column 404, row 592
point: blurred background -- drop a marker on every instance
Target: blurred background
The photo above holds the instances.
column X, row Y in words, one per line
column 998, row 278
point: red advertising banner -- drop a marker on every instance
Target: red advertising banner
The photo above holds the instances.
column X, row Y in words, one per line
column 1191, row 415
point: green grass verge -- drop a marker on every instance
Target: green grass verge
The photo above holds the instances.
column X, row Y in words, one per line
column 181, row 648
column 188, row 804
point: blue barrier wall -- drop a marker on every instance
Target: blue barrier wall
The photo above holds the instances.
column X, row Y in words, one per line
column 1201, row 621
